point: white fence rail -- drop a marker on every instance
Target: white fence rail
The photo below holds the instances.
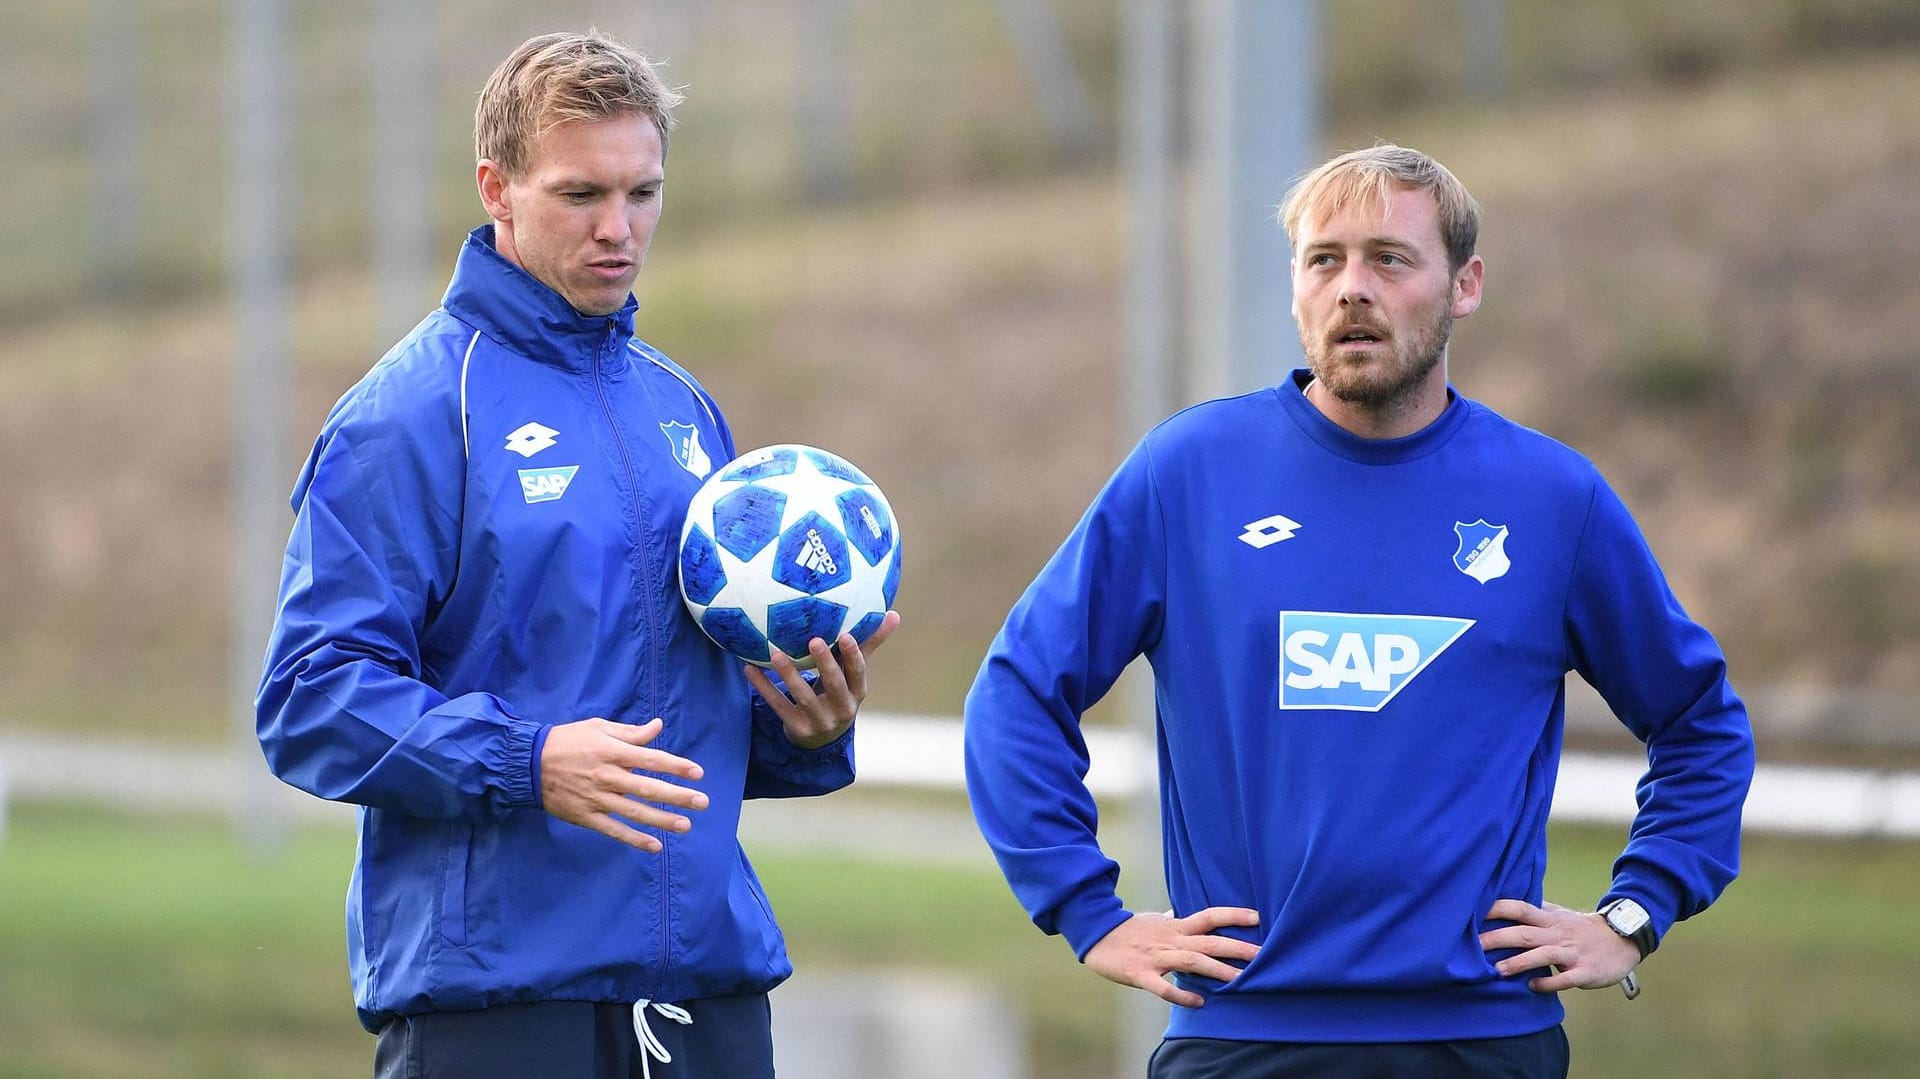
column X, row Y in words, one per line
column 922, row 752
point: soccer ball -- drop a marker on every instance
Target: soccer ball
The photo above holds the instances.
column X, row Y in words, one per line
column 785, row 544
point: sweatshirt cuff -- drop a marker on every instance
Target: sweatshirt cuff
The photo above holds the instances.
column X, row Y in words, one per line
column 1662, row 909
column 1087, row 918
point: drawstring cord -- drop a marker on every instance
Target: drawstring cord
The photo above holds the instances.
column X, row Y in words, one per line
column 650, row 1047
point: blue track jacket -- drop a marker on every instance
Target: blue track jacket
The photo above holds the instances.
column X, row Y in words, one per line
column 1359, row 652
column 485, row 544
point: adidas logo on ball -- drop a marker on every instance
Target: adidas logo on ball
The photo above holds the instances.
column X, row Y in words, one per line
column 815, row 556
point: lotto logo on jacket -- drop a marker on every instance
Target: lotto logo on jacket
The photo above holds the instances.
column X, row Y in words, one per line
column 1357, row 662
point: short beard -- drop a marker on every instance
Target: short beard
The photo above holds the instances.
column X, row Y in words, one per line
column 1385, row 390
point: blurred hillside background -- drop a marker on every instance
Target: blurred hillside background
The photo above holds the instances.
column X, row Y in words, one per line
column 1700, row 239
column 898, row 229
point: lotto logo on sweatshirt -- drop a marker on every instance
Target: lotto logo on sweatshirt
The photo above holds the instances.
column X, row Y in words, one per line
column 1357, row 662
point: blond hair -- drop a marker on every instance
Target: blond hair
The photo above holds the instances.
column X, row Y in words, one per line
column 559, row 79
column 1374, row 173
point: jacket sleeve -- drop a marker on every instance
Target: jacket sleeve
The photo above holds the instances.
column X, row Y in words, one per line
column 1096, row 606
column 1666, row 679
column 776, row 768
column 346, row 709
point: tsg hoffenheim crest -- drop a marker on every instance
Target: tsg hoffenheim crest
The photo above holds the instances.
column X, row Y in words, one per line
column 685, row 441
column 1483, row 550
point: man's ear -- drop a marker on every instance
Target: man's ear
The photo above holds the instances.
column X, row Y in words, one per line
column 494, row 193
column 1466, row 287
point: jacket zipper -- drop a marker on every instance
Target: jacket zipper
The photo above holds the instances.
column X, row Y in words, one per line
column 646, row 581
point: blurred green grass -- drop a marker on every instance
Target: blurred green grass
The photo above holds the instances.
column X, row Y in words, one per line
column 159, row 947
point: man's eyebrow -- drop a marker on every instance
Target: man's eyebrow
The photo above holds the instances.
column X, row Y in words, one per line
column 1370, row 243
column 575, row 184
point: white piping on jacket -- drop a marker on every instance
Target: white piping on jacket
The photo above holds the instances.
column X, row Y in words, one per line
column 465, row 446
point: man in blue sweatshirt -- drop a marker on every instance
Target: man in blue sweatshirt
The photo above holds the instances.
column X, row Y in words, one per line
column 1360, row 594
column 481, row 640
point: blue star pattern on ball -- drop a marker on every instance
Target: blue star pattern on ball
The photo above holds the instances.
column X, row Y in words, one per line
column 785, row 544
column 747, row 518
column 868, row 525
column 701, row 574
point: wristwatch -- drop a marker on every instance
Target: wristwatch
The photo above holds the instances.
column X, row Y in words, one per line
column 1630, row 920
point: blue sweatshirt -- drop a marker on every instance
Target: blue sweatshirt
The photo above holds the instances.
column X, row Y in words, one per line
column 1359, row 649
column 484, row 545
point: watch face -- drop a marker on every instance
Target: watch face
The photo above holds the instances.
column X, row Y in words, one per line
column 1627, row 917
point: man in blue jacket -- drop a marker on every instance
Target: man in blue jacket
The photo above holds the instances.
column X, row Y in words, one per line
column 1360, row 594
column 481, row 641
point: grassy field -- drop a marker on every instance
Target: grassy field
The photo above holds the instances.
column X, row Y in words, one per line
column 157, row 947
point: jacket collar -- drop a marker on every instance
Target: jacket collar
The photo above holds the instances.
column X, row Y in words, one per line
column 514, row 308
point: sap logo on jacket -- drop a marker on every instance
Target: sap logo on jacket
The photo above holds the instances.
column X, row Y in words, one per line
column 546, row 484
column 1357, row 662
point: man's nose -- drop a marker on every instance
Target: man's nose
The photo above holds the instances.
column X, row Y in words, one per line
column 1356, row 290
column 611, row 225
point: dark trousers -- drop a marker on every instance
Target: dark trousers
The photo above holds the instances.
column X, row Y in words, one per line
column 1530, row 1056
column 729, row 1038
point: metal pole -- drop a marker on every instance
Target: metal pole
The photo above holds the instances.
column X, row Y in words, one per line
column 1059, row 92
column 1151, row 47
column 1153, row 215
column 823, row 100
column 1483, row 30
column 1256, row 117
column 113, row 77
column 401, row 53
column 261, row 313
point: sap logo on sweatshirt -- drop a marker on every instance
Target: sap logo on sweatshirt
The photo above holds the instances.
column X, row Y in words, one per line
column 1357, row 662
column 546, row 484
